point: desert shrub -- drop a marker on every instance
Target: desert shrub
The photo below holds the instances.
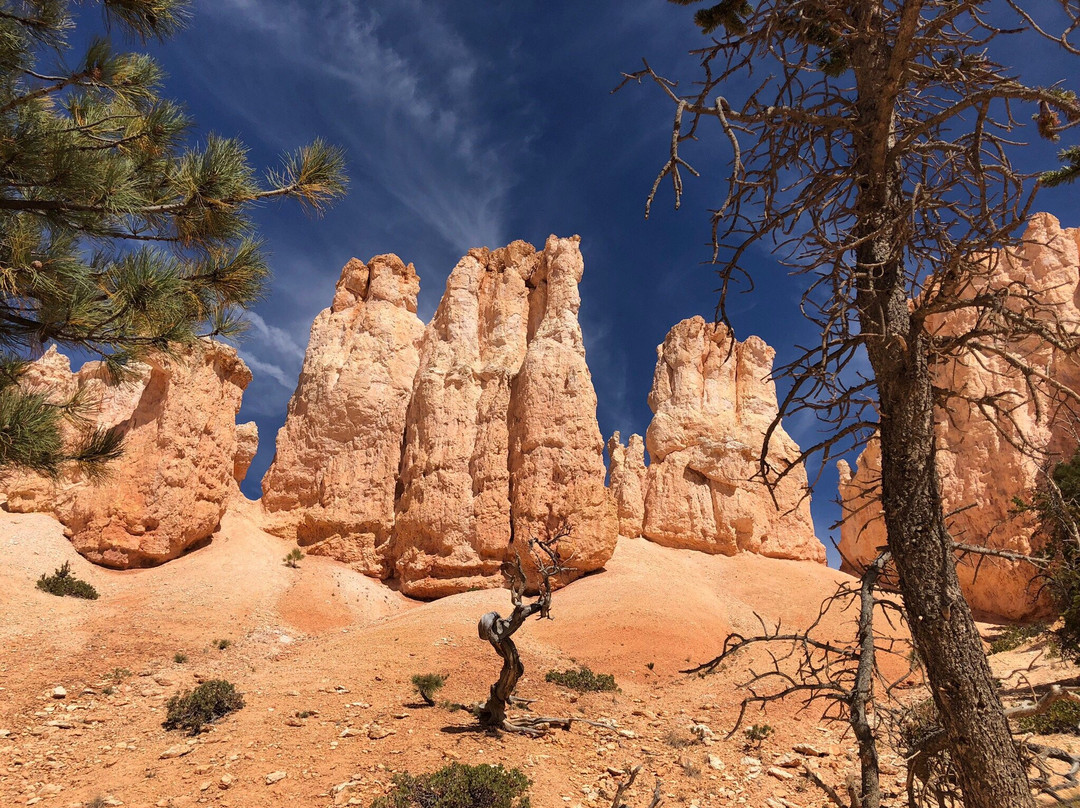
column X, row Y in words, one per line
column 582, row 679
column 62, row 583
column 459, row 786
column 293, row 558
column 756, row 734
column 222, row 644
column 208, row 702
column 179, row 658
column 1063, row 716
column 427, row 685
column 679, row 740
column 691, row 768
column 118, row 675
column 1015, row 636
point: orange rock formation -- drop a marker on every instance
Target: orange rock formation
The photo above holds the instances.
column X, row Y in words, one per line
column 169, row 490
column 980, row 463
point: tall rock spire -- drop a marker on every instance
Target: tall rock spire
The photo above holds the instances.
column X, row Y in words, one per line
column 332, row 484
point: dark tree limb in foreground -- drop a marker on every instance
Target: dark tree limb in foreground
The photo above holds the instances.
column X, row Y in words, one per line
column 871, row 150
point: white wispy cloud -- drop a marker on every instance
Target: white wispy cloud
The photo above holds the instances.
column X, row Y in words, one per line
column 272, row 338
column 418, row 124
column 402, row 91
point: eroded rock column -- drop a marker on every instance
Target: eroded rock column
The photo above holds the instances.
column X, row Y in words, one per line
column 713, row 400
column 332, row 483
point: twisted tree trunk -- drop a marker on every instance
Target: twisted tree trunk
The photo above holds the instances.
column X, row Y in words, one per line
column 499, row 632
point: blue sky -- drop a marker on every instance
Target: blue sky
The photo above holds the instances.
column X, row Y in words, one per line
column 474, row 124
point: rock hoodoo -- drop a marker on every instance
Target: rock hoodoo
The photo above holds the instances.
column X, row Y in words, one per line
column 332, row 483
column 980, row 465
column 628, row 480
column 181, row 456
column 417, row 453
column 712, row 400
column 501, row 434
column 453, row 513
column 556, row 449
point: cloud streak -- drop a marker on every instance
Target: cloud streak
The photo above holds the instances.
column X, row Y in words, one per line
column 418, row 124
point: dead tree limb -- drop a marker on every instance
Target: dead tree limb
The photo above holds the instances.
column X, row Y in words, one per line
column 841, row 674
column 629, row 776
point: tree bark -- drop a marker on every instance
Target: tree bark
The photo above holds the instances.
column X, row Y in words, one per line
column 898, row 346
column 861, row 691
column 990, row 771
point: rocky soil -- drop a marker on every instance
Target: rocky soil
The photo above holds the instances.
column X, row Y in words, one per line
column 324, row 656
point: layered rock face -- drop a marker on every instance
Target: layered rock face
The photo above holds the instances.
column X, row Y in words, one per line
column 980, row 463
column 453, row 514
column 627, row 480
column 418, row 453
column 712, row 400
column 181, row 455
column 501, row 435
column 331, row 486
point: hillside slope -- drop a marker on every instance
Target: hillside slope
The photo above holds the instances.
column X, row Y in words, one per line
column 325, row 640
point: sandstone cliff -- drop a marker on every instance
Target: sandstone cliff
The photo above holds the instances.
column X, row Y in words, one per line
column 332, row 483
column 980, row 464
column 181, row 456
column 712, row 400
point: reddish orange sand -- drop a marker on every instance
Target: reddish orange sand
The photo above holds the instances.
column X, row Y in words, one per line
column 325, row 639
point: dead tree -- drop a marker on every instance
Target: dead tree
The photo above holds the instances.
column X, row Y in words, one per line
column 871, row 148
column 842, row 674
column 627, row 780
column 931, row 777
column 499, row 631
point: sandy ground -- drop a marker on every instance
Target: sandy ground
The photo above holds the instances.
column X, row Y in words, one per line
column 327, row 642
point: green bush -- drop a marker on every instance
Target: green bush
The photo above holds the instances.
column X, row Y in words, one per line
column 757, row 733
column 427, row 685
column 205, row 704
column 1063, row 716
column 293, row 558
column 221, row 645
column 459, row 786
column 62, row 582
column 118, row 675
column 179, row 658
column 1058, row 512
column 583, row 680
column 1015, row 636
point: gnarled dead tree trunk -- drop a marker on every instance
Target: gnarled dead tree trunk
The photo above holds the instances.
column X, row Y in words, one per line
column 499, row 631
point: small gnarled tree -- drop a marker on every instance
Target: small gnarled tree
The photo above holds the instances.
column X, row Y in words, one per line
column 499, row 631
